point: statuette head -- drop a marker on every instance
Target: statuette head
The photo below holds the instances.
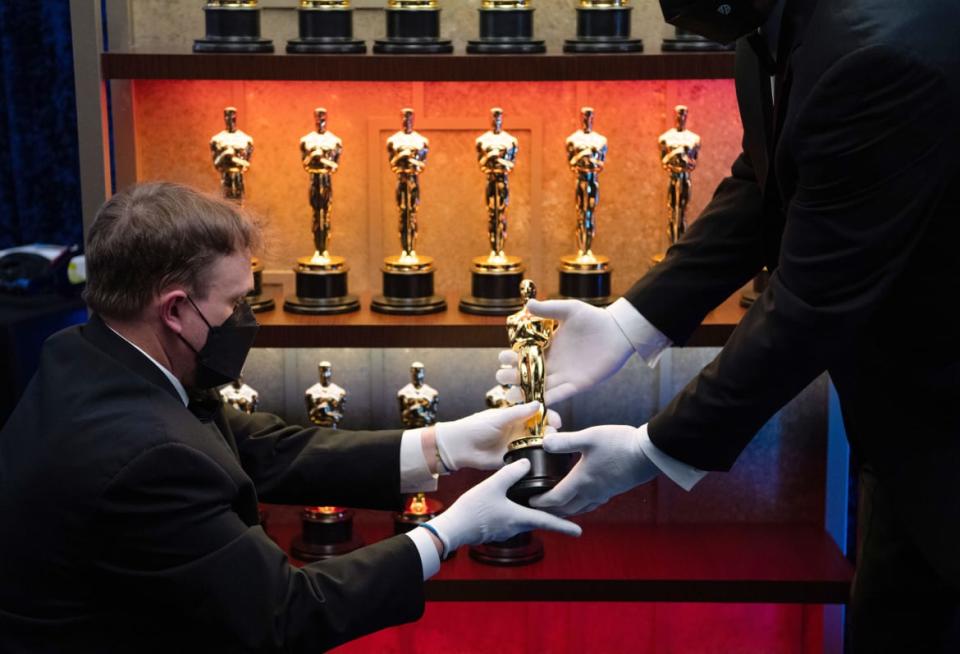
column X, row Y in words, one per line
column 325, row 371
column 230, row 118
column 407, row 116
column 528, row 290
column 417, row 373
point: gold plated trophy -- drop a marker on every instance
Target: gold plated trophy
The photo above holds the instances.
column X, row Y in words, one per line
column 679, row 149
column 322, row 278
column 586, row 276
column 327, row 531
column 418, row 403
column 408, row 278
column 231, row 149
column 495, row 277
column 506, row 27
column 325, row 27
column 413, row 27
column 529, row 337
column 232, row 26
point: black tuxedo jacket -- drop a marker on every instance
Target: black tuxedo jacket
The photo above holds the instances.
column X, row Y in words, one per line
column 130, row 522
column 847, row 189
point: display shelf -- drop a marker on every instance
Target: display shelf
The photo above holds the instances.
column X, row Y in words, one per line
column 450, row 328
column 422, row 68
column 792, row 564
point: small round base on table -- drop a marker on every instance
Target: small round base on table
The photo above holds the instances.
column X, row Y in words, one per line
column 407, row 520
column 232, row 29
column 413, row 31
column 324, row 30
column 321, row 287
column 494, row 286
column 689, row 42
column 327, row 532
column 408, row 288
column 506, row 31
column 603, row 30
column 522, row 549
column 585, row 279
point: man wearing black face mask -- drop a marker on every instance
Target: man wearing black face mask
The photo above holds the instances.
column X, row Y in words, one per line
column 845, row 191
column 130, row 491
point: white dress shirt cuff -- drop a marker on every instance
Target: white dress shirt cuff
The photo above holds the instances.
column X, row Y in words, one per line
column 683, row 475
column 415, row 476
column 648, row 341
column 429, row 557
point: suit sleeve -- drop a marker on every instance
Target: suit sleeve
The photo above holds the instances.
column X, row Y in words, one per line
column 172, row 543
column 720, row 252
column 871, row 171
column 296, row 465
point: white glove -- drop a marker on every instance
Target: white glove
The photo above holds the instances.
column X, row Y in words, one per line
column 484, row 513
column 587, row 348
column 480, row 441
column 611, row 463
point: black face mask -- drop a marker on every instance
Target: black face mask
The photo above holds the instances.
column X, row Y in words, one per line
column 221, row 358
column 723, row 21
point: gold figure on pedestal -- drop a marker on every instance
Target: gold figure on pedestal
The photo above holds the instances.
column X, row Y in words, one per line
column 407, row 151
column 586, row 156
column 496, row 156
column 498, row 397
column 679, row 149
column 240, row 396
column 530, row 337
column 320, row 152
column 325, row 400
column 231, row 149
column 584, row 275
column 417, row 400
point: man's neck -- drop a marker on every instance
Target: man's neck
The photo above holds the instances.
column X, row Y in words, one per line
column 144, row 338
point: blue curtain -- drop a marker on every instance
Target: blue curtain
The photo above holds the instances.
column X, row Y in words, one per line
column 39, row 164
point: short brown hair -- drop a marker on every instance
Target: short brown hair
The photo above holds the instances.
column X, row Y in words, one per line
column 155, row 235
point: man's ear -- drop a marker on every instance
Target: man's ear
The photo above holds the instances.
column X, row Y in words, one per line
column 171, row 305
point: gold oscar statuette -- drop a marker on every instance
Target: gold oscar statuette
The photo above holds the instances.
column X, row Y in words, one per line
column 240, row 396
column 408, row 277
column 419, row 405
column 585, row 275
column 321, row 279
column 231, row 150
column 326, row 531
column 679, row 149
column 495, row 277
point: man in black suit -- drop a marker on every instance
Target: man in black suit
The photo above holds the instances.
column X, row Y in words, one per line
column 845, row 192
column 129, row 493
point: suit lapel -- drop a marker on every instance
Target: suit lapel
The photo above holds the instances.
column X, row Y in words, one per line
column 754, row 98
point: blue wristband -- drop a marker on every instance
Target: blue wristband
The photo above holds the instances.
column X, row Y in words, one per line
column 433, row 530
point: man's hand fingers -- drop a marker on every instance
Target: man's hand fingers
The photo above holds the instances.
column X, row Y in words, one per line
column 568, row 442
column 508, row 376
column 516, row 413
column 508, row 358
column 553, row 419
column 515, row 395
column 560, row 494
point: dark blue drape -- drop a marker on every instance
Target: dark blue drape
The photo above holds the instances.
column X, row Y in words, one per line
column 39, row 164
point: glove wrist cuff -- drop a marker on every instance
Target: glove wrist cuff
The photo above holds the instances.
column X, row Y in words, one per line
column 444, row 460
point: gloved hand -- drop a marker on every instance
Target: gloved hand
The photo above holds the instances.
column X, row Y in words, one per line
column 587, row 348
column 480, row 441
column 611, row 463
column 484, row 513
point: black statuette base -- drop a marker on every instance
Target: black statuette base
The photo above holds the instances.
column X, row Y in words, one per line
column 522, row 549
column 493, row 293
column 591, row 286
column 409, row 293
column 603, row 30
column 325, row 536
column 232, row 29
column 546, row 471
column 413, row 31
column 506, row 32
column 688, row 42
column 256, row 299
column 326, row 31
column 321, row 292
